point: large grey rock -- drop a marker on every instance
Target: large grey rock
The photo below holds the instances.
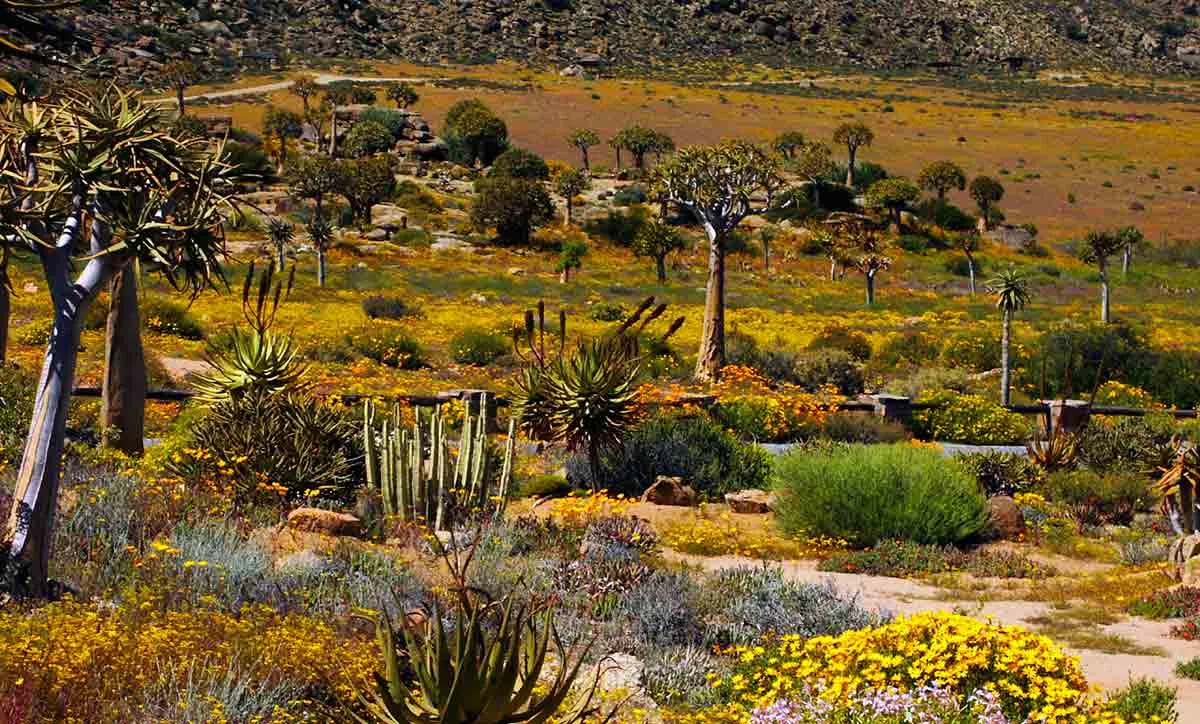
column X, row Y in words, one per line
column 751, row 501
column 451, row 243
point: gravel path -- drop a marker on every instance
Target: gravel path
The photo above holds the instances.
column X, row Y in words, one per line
column 903, row 596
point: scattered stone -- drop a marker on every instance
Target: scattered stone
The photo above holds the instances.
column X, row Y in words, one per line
column 452, row 243
column 752, row 501
column 670, row 491
column 515, row 271
column 329, row 522
column 479, row 298
column 1005, row 519
column 376, row 235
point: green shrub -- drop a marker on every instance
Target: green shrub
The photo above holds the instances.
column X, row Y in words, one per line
column 866, row 494
column 946, row 215
column 908, row 348
column 969, row 419
column 862, row 429
column 394, row 121
column 1189, row 669
column 476, row 346
column 33, row 334
column 913, row 243
column 960, row 266
column 1126, row 442
column 416, row 198
column 388, row 345
column 166, row 317
column 1144, row 700
column 1003, row 473
column 710, row 459
column 617, row 226
column 752, row 418
column 16, row 409
column 1097, row 499
column 975, row 351
column 837, row 336
column 609, row 312
column 630, row 195
column 379, row 306
column 367, row 138
column 836, row 367
column 901, row 559
column 545, row 486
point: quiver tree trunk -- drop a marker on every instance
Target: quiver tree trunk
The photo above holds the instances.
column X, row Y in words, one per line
column 870, row 288
column 321, row 266
column 5, row 305
column 1005, row 360
column 850, row 167
column 712, row 340
column 660, row 268
column 1105, row 304
column 587, row 165
column 123, row 394
column 1126, row 260
column 971, row 273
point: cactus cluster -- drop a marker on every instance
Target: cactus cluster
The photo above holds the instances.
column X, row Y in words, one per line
column 418, row 475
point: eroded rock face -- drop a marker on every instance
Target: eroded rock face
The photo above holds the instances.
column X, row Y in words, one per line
column 670, row 491
column 1005, row 519
column 328, row 522
column 752, row 501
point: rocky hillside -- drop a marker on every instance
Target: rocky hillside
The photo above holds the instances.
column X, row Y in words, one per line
column 1139, row 35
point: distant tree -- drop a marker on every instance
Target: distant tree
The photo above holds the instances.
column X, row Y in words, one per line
column 813, row 162
column 305, row 88
column 474, row 133
column 317, row 117
column 1097, row 248
column 583, row 139
column 180, row 75
column 968, row 243
column 320, row 234
column 835, row 248
column 336, row 95
column 367, row 138
column 788, row 144
column 719, row 186
column 1132, row 240
column 1012, row 294
column 570, row 257
column 282, row 233
column 364, row 183
column 941, row 176
column 514, row 206
column 640, row 141
column 987, row 192
column 403, row 95
column 519, row 163
column 656, row 240
column 863, row 246
column 281, row 125
column 316, row 178
column 662, row 145
column 568, row 184
column 617, row 143
column 853, row 136
column 893, row 195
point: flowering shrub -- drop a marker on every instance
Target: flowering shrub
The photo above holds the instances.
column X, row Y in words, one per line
column 76, row 662
column 931, row 703
column 969, row 419
column 389, row 345
column 1120, row 394
column 974, row 350
column 752, row 408
column 1027, row 673
column 580, row 511
column 1182, row 602
column 478, row 346
column 901, row 559
column 706, row 536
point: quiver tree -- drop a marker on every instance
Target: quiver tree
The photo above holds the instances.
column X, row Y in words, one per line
column 568, row 184
column 336, row 95
column 1097, row 248
column 720, row 186
column 940, row 177
column 640, row 141
column 1132, row 240
column 123, row 387
column 852, row 136
column 1012, row 294
column 864, row 246
column 788, row 144
column 894, row 195
column 968, row 243
column 364, row 183
column 403, row 95
column 305, row 88
column 282, row 233
column 813, row 162
column 570, row 258
column 986, row 192
column 316, row 177
column 583, row 139
column 657, row 239
column 180, row 75
column 101, row 185
column 281, row 125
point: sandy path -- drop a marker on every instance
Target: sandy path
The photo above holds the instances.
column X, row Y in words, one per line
column 902, row 596
column 319, row 79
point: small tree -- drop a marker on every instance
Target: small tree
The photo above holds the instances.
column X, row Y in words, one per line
column 519, row 163
column 1096, row 249
column 403, row 95
column 583, row 139
column 1132, row 240
column 336, row 95
column 367, row 138
column 570, row 257
column 813, row 162
column 282, row 233
column 320, row 234
column 180, row 75
column 617, row 143
column 719, row 186
column 853, row 136
column 315, row 177
column 987, row 192
column 570, row 183
column 474, row 133
column 788, row 144
column 864, row 246
column 1012, row 294
column 281, row 125
column 941, row 176
column 102, row 156
column 893, row 195
column 835, row 248
column 365, row 183
column 305, row 88
column 514, row 206
column 968, row 243
column 640, row 141
column 656, row 240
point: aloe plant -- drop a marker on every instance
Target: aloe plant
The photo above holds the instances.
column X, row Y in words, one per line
column 488, row 670
column 258, row 358
column 418, row 476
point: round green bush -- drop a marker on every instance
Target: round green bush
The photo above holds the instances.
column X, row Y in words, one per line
column 969, row 419
column 837, row 367
column 837, row 336
column 865, row 494
column 170, row 318
column 388, row 345
column 367, row 138
column 479, row 347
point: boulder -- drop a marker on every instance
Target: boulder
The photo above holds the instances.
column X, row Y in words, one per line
column 1014, row 237
column 376, row 235
column 752, row 501
column 1005, row 519
column 328, row 522
column 451, row 243
column 670, row 491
